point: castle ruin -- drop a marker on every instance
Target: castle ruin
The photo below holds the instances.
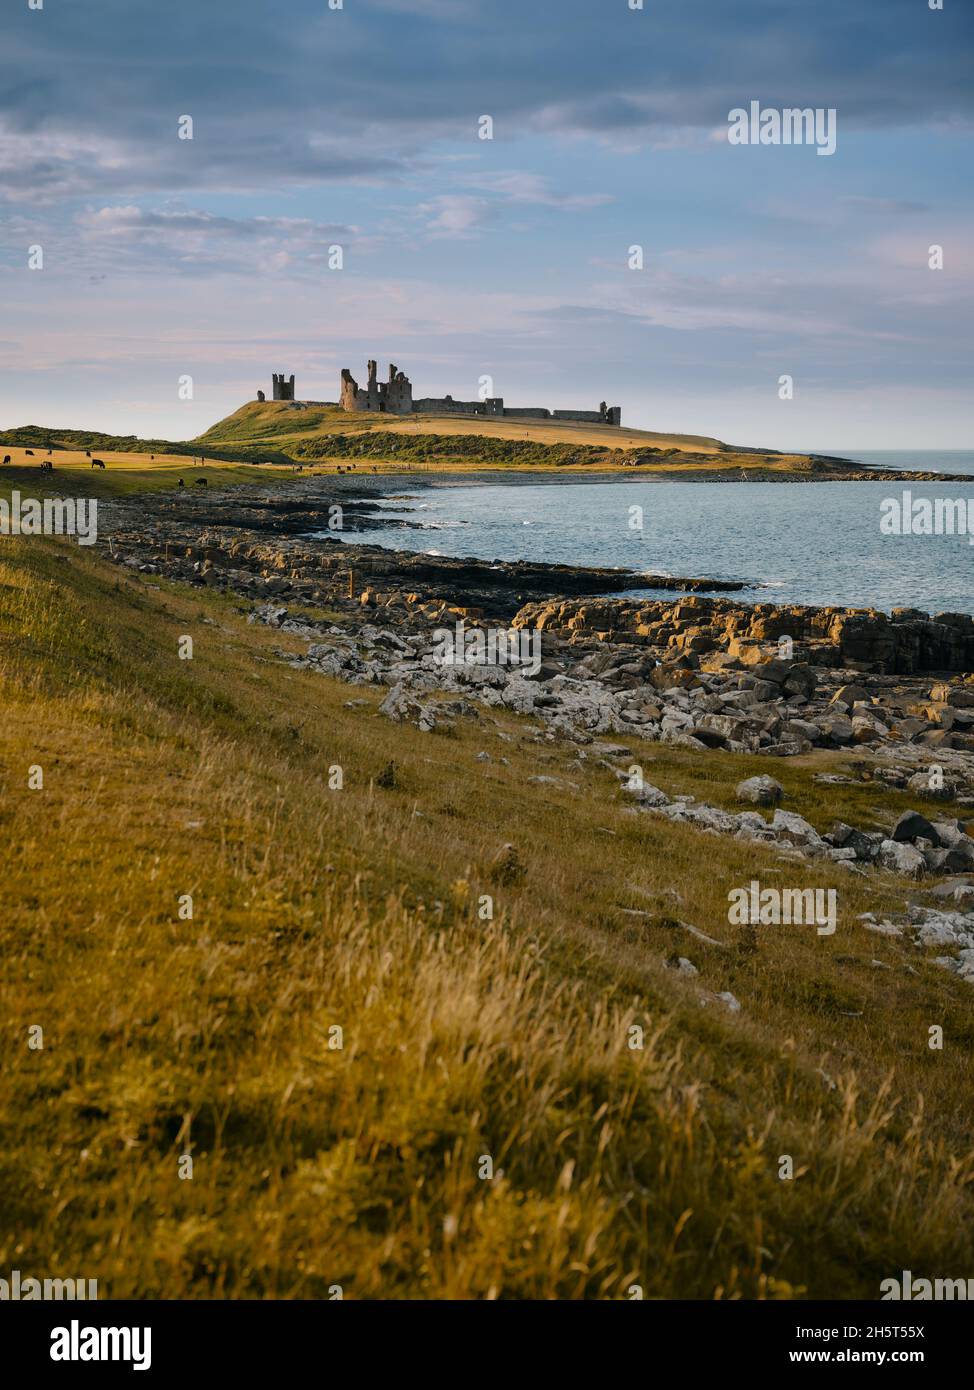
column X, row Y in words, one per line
column 394, row 396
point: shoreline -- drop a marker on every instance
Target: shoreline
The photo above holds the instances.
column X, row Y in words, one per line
column 290, row 533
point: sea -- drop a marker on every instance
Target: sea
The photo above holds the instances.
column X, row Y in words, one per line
column 808, row 543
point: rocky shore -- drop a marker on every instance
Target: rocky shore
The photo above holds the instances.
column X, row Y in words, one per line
column 701, row 673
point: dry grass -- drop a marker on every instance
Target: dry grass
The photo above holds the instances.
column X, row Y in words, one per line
column 124, row 472
column 315, row 908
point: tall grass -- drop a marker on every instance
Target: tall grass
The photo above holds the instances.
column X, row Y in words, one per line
column 482, row 1126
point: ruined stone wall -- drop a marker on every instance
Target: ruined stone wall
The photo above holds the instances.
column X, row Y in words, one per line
column 395, row 396
column 446, row 405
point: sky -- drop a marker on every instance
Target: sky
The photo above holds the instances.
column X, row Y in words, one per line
column 510, row 258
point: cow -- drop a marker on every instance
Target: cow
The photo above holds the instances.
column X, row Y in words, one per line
column 180, row 483
column 29, row 453
column 201, row 482
column 6, row 458
column 87, row 453
column 47, row 467
column 97, row 463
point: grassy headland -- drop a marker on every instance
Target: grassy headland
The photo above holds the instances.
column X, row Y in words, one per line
column 315, row 908
column 307, row 434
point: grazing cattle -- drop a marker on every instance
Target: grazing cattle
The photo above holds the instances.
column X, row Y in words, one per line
column 87, row 453
column 180, row 483
column 6, row 458
column 201, row 482
column 29, row 453
column 47, row 467
column 97, row 463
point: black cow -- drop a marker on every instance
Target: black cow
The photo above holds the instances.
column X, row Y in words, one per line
column 6, row 458
column 201, row 482
column 97, row 463
column 29, row 452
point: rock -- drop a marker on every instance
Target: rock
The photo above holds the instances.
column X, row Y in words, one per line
column 836, row 727
column 902, row 858
column 800, row 680
column 847, row 837
column 684, row 966
column 958, row 696
column 646, row 794
column 849, row 695
column 760, row 791
column 774, row 671
column 865, row 729
column 401, row 705
column 795, row 830
column 726, row 998
column 804, row 729
column 910, row 826
column 925, row 784
column 959, row 857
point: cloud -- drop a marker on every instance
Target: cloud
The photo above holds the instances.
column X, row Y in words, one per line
column 520, row 186
column 884, row 205
column 454, row 214
column 303, row 95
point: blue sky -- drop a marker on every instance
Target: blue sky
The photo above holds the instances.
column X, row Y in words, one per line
column 465, row 257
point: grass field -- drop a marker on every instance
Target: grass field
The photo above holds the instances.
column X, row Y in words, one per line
column 304, row 430
column 126, row 472
column 211, row 1037
column 285, row 434
column 277, row 420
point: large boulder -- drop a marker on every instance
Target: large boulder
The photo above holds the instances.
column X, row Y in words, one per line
column 912, row 826
column 760, row 791
column 902, row 859
column 933, row 787
column 795, row 830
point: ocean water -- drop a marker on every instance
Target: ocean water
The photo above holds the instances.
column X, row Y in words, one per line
column 814, row 543
column 926, row 460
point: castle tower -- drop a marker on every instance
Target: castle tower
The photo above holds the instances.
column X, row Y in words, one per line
column 398, row 392
column 283, row 387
